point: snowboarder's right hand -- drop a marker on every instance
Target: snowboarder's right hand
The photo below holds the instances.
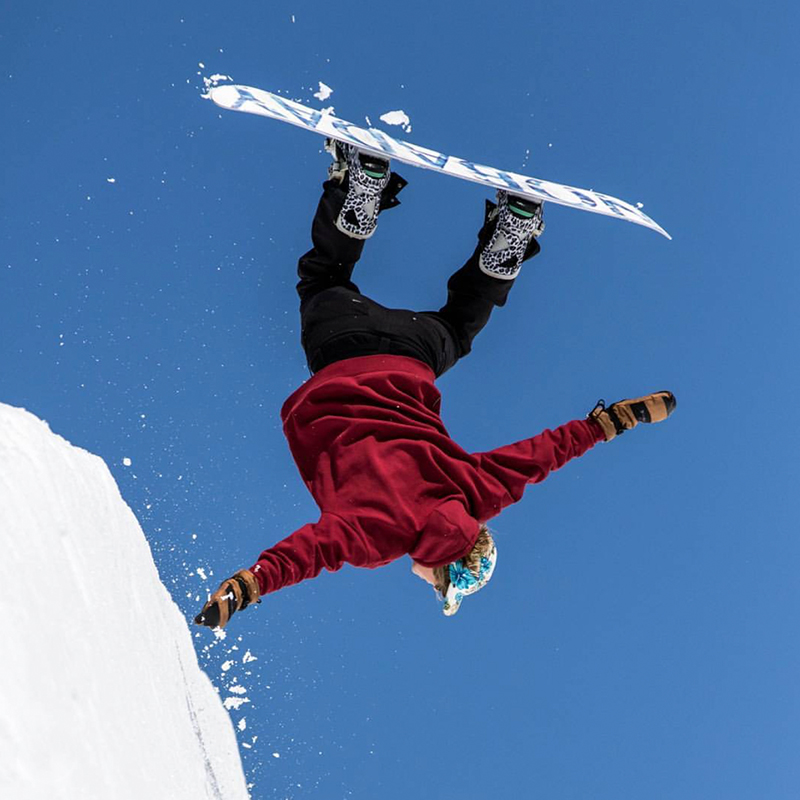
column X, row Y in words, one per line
column 233, row 594
column 626, row 414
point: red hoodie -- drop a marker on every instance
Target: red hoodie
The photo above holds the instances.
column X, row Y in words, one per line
column 371, row 447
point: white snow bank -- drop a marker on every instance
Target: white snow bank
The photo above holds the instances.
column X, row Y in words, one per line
column 100, row 692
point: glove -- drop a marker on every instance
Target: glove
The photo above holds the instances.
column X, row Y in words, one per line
column 626, row 414
column 233, row 594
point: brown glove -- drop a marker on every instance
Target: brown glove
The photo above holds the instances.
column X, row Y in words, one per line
column 233, row 594
column 626, row 414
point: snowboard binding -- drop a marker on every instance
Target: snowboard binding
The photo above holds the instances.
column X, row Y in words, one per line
column 519, row 223
column 366, row 179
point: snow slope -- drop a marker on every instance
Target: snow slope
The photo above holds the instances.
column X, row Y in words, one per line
column 100, row 692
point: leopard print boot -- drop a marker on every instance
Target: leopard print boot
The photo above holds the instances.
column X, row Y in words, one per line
column 365, row 177
column 519, row 221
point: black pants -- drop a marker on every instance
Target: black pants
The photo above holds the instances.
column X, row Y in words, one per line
column 339, row 322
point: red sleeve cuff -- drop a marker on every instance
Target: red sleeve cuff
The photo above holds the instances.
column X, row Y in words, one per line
column 597, row 431
column 261, row 577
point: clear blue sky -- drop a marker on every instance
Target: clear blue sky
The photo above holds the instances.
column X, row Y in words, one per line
column 640, row 637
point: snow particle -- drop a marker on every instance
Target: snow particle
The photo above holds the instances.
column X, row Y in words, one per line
column 126, row 461
column 397, row 118
column 234, row 702
column 276, row 755
column 324, row 91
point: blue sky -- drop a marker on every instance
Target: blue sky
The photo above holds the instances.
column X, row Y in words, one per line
column 639, row 639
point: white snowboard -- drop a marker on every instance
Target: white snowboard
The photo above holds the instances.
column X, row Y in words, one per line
column 266, row 104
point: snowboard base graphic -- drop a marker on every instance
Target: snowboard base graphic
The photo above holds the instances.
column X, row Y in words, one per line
column 266, row 104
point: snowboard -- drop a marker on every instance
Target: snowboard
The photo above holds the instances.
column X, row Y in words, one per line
column 266, row 104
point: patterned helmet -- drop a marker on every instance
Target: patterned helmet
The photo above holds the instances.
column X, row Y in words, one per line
column 464, row 582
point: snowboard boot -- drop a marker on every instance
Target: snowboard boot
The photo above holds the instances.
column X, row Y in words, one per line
column 519, row 224
column 365, row 178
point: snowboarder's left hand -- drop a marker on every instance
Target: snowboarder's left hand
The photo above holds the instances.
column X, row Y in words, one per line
column 233, row 594
column 627, row 414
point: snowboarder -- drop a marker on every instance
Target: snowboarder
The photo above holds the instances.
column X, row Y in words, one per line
column 365, row 430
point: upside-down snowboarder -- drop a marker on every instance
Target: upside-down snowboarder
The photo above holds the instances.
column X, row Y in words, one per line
column 365, row 429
